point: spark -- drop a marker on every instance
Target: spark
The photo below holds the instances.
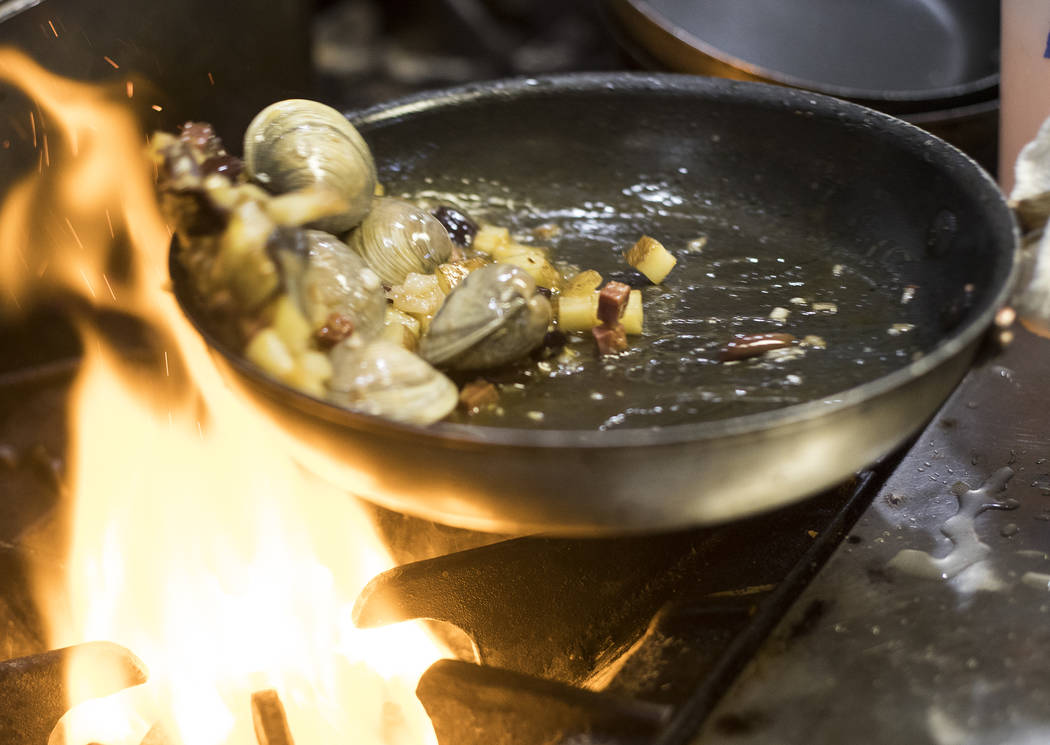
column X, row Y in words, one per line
column 109, row 222
column 74, row 232
column 112, row 63
column 200, row 430
column 47, row 153
column 157, row 107
column 43, row 268
column 167, row 369
column 211, row 79
column 88, row 282
column 52, row 25
column 32, row 123
column 130, row 88
column 109, row 287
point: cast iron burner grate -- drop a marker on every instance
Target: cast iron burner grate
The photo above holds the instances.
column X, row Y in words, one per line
column 570, row 640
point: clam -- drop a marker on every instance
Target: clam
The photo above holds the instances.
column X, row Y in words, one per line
column 493, row 317
column 398, row 238
column 324, row 277
column 295, row 144
column 384, row 379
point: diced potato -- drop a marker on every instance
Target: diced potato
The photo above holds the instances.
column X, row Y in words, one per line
column 248, row 230
column 242, row 261
column 578, row 312
column 504, row 251
column 583, row 283
column 451, row 274
column 534, row 261
column 419, row 294
column 291, row 325
column 316, row 364
column 312, row 371
column 395, row 316
column 400, row 335
column 632, row 315
column 401, row 328
column 270, row 353
column 650, row 258
column 490, row 239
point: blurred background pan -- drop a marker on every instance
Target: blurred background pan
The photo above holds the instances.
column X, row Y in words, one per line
column 932, row 62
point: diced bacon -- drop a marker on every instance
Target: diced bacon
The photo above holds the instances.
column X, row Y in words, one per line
column 611, row 339
column 612, row 300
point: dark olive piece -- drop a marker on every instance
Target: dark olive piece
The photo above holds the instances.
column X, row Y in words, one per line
column 752, row 345
column 461, row 229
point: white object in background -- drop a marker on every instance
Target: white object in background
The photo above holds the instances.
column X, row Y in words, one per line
column 1024, row 90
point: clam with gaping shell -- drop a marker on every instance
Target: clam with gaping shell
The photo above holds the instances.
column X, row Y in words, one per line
column 324, row 277
column 384, row 379
column 494, row 317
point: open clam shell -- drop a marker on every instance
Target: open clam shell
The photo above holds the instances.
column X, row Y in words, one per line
column 384, row 379
column 325, row 277
column 493, row 317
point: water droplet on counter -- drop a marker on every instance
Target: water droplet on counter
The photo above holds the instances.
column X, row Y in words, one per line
column 967, row 548
column 1009, row 530
column 1042, row 482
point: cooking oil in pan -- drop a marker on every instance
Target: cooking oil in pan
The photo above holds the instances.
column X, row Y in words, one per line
column 855, row 316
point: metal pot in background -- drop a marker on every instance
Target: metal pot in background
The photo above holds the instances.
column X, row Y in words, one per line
column 934, row 63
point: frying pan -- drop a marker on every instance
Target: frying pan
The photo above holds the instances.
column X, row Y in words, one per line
column 897, row 55
column 799, row 197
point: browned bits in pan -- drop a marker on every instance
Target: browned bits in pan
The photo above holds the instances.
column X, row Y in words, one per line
column 751, row 345
column 336, row 328
column 612, row 301
column 478, row 394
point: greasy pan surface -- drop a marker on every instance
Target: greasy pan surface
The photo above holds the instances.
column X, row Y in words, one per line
column 798, row 196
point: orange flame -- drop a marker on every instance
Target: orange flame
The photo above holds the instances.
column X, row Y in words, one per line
column 197, row 542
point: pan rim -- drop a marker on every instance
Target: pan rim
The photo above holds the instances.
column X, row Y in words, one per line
column 468, row 435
